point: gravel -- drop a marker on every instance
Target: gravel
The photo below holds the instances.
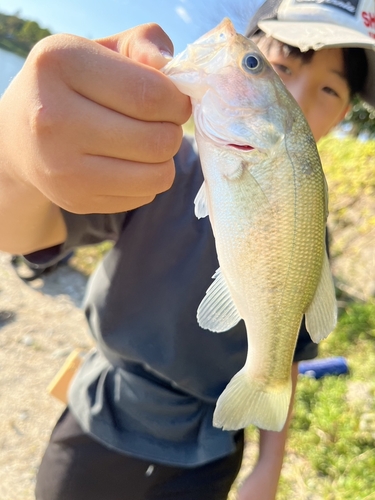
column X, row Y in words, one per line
column 40, row 324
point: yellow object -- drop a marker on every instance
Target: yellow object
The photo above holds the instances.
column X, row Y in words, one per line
column 59, row 386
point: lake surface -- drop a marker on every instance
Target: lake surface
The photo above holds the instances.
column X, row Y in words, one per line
column 10, row 64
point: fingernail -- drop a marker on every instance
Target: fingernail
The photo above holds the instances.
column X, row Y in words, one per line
column 166, row 54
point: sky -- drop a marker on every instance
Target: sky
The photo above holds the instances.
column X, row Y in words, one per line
column 183, row 20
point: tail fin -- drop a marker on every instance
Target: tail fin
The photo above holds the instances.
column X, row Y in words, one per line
column 244, row 402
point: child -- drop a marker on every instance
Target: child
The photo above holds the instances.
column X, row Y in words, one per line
column 86, row 129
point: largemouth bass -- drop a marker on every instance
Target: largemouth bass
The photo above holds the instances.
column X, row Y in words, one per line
column 265, row 194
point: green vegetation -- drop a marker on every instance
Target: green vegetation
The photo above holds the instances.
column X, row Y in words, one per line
column 350, row 170
column 19, row 36
column 361, row 118
column 349, row 167
column 333, row 431
column 85, row 259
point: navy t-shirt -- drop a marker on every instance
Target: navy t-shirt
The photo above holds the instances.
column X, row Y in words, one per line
column 150, row 387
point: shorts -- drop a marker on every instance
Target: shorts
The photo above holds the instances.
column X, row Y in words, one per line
column 77, row 467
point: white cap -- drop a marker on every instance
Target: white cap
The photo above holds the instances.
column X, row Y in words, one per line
column 318, row 24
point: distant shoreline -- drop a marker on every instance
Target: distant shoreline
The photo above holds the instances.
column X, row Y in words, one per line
column 10, row 47
column 19, row 35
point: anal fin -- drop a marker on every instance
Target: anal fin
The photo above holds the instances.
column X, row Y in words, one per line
column 200, row 202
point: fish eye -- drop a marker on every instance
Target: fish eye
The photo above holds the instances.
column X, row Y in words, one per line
column 252, row 63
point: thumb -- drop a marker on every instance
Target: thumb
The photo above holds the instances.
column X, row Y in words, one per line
column 147, row 44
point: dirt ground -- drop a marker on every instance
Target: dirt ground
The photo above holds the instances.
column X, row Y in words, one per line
column 40, row 324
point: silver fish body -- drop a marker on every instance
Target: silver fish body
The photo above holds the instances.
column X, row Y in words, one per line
column 265, row 195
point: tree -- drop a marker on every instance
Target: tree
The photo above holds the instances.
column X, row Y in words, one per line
column 19, row 35
column 30, row 33
column 361, row 118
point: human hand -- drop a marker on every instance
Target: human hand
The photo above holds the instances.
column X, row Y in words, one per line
column 93, row 125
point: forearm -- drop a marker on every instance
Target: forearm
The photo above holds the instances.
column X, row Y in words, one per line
column 28, row 221
column 262, row 483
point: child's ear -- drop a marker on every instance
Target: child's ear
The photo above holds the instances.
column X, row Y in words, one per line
column 343, row 114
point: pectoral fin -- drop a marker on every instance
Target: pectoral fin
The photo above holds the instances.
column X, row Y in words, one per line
column 321, row 316
column 200, row 202
column 217, row 311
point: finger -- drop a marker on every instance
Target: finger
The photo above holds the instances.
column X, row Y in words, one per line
column 104, row 132
column 114, row 177
column 94, row 178
column 112, row 80
column 113, row 204
column 147, row 44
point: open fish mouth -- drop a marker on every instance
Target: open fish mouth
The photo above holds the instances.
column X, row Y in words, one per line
column 242, row 147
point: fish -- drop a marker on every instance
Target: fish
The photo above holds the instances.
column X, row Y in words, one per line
column 265, row 194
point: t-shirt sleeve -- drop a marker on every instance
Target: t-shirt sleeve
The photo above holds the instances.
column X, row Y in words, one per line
column 82, row 230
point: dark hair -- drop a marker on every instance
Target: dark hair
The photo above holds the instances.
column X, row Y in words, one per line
column 355, row 61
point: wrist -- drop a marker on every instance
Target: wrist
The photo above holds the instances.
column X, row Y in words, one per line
column 261, row 484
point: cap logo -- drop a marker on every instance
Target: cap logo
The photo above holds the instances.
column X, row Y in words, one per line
column 349, row 6
column 368, row 18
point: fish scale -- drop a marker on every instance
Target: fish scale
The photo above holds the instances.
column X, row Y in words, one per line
column 265, row 194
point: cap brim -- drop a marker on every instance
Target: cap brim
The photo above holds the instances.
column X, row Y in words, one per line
column 313, row 35
column 316, row 36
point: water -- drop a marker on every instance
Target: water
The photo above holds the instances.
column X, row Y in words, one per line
column 10, row 64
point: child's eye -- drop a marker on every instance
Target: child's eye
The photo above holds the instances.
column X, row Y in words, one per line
column 330, row 91
column 280, row 68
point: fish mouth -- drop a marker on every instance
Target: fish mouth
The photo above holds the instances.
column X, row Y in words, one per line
column 242, row 147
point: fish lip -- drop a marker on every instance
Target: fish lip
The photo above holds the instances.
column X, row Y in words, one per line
column 242, row 147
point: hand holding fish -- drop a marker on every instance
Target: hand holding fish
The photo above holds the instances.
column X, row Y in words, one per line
column 107, row 122
column 96, row 128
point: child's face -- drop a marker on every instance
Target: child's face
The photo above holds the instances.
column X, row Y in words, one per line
column 318, row 86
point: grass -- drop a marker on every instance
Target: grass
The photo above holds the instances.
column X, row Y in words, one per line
column 86, row 259
column 331, row 448
column 331, row 429
column 350, row 170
